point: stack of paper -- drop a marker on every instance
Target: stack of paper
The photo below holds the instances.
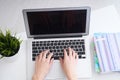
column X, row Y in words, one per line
column 107, row 48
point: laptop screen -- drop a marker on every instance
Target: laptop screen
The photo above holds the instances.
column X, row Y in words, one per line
column 56, row 22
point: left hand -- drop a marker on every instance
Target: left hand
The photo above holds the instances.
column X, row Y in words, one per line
column 42, row 65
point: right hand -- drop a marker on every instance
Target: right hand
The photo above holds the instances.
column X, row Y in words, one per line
column 69, row 63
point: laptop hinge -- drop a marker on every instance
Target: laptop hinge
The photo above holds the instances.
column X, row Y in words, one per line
column 57, row 37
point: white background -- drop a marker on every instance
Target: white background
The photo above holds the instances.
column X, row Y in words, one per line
column 104, row 18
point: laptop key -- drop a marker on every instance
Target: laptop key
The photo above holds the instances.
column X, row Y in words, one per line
column 56, row 58
column 83, row 46
column 33, row 59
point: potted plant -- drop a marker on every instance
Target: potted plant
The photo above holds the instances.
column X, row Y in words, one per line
column 9, row 44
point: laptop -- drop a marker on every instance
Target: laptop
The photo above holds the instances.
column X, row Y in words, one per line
column 57, row 29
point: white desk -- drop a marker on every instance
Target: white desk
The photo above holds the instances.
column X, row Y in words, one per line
column 103, row 20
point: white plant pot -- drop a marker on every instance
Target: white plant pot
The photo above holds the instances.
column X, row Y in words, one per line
column 10, row 59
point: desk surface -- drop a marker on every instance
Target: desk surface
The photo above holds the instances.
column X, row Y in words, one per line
column 103, row 20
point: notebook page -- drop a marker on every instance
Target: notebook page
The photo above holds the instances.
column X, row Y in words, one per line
column 114, row 50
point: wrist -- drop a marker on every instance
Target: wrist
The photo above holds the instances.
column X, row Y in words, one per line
column 72, row 77
column 37, row 77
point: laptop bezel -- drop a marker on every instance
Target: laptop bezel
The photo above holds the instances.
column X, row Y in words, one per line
column 57, row 9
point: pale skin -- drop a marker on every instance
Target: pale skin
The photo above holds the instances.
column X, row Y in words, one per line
column 68, row 64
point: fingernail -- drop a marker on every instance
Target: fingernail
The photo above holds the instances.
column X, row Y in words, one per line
column 52, row 53
column 47, row 50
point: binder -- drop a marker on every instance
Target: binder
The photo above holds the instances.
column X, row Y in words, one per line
column 107, row 46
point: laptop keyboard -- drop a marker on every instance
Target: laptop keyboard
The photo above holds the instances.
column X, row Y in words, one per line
column 57, row 47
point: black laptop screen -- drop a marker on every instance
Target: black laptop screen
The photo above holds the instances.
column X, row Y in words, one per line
column 57, row 22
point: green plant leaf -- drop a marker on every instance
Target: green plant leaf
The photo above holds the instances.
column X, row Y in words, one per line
column 9, row 45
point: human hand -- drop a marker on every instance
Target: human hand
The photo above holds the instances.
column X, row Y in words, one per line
column 69, row 63
column 42, row 65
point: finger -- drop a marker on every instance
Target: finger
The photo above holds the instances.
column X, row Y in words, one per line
column 70, row 51
column 40, row 56
column 76, row 56
column 73, row 53
column 61, row 61
column 44, row 54
column 51, row 61
column 65, row 53
column 36, row 59
column 36, row 62
column 49, row 57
